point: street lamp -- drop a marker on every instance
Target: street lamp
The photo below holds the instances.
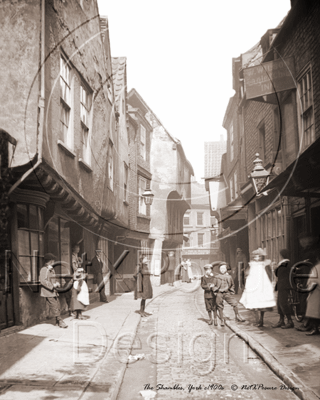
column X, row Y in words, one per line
column 148, row 197
column 259, row 176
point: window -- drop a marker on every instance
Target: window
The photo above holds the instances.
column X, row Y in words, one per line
column 231, row 142
column 84, row 115
column 262, row 143
column 30, row 238
column 142, row 204
column 125, row 184
column 143, row 150
column 186, row 219
column 235, row 179
column 200, row 239
column 199, row 218
column 231, row 190
column 305, row 107
column 58, row 243
column 110, row 165
column 65, row 103
column 272, row 233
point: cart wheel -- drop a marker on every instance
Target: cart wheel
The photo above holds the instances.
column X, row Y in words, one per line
column 298, row 317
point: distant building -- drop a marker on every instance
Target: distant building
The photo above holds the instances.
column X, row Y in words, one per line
column 212, row 157
column 199, row 243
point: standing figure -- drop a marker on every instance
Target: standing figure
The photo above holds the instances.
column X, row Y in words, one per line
column 48, row 288
column 224, row 290
column 207, row 282
column 143, row 288
column 80, row 293
column 258, row 293
column 184, row 272
column 189, row 265
column 282, row 272
column 241, row 267
column 97, row 268
column 313, row 301
column 76, row 261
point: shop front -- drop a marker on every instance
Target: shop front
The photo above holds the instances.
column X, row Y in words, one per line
column 46, row 218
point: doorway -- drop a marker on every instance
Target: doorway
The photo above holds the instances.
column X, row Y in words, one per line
column 6, row 293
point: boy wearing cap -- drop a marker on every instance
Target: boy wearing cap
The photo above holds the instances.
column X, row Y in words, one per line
column 48, row 288
column 224, row 289
column 207, row 282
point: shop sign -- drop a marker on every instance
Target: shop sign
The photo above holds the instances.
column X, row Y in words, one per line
column 270, row 77
column 195, row 252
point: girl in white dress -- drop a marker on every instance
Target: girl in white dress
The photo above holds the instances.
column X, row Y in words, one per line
column 258, row 293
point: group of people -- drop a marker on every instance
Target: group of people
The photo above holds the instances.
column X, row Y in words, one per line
column 78, row 297
column 258, row 294
column 219, row 287
column 185, row 271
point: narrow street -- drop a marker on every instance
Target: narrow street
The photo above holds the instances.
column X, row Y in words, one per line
column 166, row 338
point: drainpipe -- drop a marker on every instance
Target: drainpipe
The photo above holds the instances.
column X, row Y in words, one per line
column 41, row 104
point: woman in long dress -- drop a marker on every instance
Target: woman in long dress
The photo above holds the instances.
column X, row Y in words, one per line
column 258, row 293
column 184, row 272
column 143, row 287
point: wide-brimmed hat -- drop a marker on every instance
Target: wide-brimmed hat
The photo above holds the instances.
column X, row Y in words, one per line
column 259, row 252
column 207, row 266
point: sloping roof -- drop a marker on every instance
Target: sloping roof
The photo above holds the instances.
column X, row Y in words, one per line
column 119, row 76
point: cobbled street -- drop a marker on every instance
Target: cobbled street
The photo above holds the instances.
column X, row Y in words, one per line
column 176, row 338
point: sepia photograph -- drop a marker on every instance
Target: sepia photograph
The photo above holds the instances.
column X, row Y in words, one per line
column 159, row 199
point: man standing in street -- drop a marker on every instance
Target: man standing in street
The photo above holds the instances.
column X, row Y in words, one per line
column 48, row 288
column 97, row 269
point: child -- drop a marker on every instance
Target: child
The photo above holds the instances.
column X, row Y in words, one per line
column 207, row 281
column 80, row 293
column 224, row 289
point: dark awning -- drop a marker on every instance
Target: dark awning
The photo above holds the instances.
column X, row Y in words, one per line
column 302, row 177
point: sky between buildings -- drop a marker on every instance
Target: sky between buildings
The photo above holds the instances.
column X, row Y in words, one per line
column 179, row 58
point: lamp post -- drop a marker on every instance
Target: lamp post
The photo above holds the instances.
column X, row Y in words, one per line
column 148, row 197
column 259, row 176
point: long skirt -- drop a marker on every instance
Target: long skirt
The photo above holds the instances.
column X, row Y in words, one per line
column 76, row 305
column 258, row 293
column 184, row 275
column 147, row 292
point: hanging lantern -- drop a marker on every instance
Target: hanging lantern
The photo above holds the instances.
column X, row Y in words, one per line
column 259, row 176
column 148, row 197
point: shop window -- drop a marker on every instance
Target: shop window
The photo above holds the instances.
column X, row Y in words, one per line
column 30, row 238
column 272, row 233
column 305, row 107
column 58, row 243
